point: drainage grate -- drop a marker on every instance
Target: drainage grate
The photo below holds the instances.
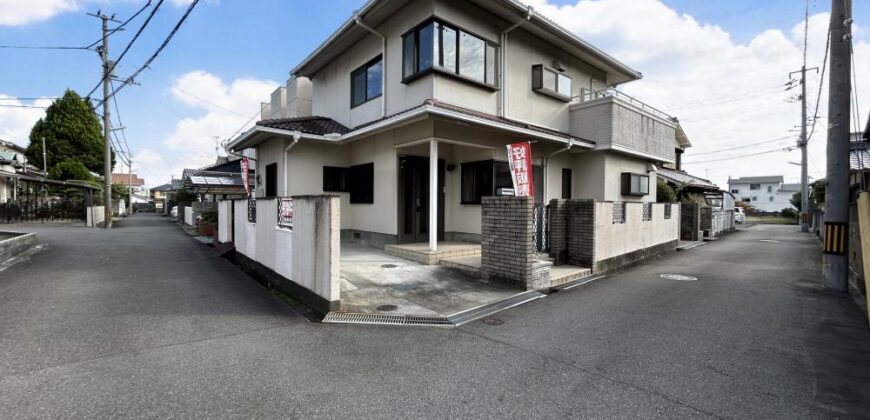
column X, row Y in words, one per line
column 678, row 277
column 387, row 308
column 384, row 319
column 388, row 266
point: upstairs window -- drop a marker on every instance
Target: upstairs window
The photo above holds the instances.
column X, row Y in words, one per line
column 635, row 184
column 437, row 46
column 754, row 186
column 365, row 82
column 551, row 82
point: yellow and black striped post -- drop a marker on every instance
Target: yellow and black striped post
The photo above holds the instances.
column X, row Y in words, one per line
column 835, row 238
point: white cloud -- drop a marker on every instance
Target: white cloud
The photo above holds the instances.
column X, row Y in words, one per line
column 16, row 118
column 726, row 94
column 224, row 108
column 21, row 12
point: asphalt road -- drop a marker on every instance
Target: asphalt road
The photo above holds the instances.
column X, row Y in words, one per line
column 143, row 321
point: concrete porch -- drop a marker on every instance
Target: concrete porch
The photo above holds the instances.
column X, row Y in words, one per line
column 421, row 253
column 375, row 282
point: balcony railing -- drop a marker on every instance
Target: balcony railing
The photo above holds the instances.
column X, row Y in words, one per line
column 589, row 95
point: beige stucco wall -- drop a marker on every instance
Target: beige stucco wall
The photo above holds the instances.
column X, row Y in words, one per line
column 597, row 175
column 614, row 239
column 331, row 84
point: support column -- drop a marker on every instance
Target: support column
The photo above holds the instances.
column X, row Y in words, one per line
column 433, row 195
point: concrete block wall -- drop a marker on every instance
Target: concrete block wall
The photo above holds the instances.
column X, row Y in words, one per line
column 690, row 222
column 303, row 261
column 225, row 221
column 96, row 216
column 558, row 232
column 581, row 232
column 507, row 243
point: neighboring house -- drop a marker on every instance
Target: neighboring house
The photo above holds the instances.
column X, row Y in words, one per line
column 11, row 163
column 695, row 188
column 138, row 192
column 407, row 98
column 763, row 192
column 220, row 180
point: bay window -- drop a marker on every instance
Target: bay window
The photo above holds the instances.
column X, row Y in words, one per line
column 438, row 46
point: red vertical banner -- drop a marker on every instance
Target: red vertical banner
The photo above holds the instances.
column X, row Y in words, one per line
column 245, row 180
column 520, row 161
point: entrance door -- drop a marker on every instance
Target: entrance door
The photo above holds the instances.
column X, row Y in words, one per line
column 414, row 199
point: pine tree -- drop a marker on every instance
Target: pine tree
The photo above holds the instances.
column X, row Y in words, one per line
column 72, row 132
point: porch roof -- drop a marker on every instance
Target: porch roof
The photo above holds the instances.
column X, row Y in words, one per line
column 680, row 177
column 328, row 130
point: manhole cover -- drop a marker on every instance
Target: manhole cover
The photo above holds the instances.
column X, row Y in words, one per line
column 767, row 240
column 387, row 308
column 678, row 277
column 388, row 266
column 493, row 321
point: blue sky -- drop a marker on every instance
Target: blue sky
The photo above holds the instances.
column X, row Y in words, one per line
column 262, row 40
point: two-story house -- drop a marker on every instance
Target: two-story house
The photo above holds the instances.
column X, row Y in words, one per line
column 11, row 161
column 765, row 193
column 405, row 111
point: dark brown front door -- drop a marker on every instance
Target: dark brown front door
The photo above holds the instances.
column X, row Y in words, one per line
column 414, row 199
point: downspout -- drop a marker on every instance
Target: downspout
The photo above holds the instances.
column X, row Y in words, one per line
column 358, row 20
column 296, row 136
column 502, row 92
column 547, row 167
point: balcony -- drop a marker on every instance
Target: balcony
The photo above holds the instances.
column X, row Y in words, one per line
column 619, row 122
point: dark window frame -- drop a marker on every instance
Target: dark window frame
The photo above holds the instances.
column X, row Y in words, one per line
column 364, row 70
column 361, row 183
column 626, row 184
column 538, row 82
column 437, row 62
column 491, row 170
column 271, row 181
column 335, row 179
column 566, row 175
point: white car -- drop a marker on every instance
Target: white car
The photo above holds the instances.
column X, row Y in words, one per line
column 739, row 215
column 174, row 211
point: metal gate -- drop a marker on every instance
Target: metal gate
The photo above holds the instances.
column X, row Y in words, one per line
column 541, row 224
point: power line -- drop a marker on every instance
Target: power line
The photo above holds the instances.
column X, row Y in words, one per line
column 28, row 99
column 161, row 80
column 787, row 149
column 127, row 48
column 41, row 47
column 22, row 106
column 159, row 49
column 122, row 25
column 744, row 146
column 121, row 124
column 821, row 83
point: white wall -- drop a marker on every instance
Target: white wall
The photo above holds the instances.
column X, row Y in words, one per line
column 188, row 216
column 614, row 239
column 95, row 216
column 225, row 221
column 308, row 254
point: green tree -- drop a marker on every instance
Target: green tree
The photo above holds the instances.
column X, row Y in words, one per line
column 795, row 200
column 72, row 132
column 818, row 194
column 664, row 192
column 70, row 169
column 121, row 191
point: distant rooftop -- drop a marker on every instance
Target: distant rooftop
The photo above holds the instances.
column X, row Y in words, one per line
column 758, row 180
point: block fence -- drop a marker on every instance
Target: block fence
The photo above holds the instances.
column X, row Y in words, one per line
column 587, row 233
column 302, row 260
column 507, row 243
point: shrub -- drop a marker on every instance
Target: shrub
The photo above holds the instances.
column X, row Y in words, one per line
column 209, row 216
column 788, row 213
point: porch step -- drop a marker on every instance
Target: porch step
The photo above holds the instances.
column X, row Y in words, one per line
column 562, row 274
column 420, row 252
column 469, row 265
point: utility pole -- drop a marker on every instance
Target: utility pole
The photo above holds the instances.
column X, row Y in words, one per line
column 107, row 145
column 130, row 182
column 44, row 165
column 834, row 260
column 802, row 142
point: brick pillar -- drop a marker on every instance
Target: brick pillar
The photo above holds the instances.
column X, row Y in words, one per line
column 690, row 222
column 558, row 232
column 507, row 243
column 580, row 220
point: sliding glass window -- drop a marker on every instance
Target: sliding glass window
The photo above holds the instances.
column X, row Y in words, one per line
column 441, row 47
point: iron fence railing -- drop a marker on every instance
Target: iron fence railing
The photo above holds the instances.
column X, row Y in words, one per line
column 647, row 212
column 541, row 226
column 590, row 95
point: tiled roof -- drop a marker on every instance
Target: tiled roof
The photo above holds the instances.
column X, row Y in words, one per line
column 758, row 179
column 164, row 187
column 311, row 125
column 125, row 179
column 322, row 125
column 680, row 177
column 790, row 187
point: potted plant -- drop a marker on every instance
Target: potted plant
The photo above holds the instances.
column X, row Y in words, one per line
column 208, row 223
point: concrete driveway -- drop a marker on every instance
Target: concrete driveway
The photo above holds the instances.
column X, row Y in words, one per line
column 145, row 322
